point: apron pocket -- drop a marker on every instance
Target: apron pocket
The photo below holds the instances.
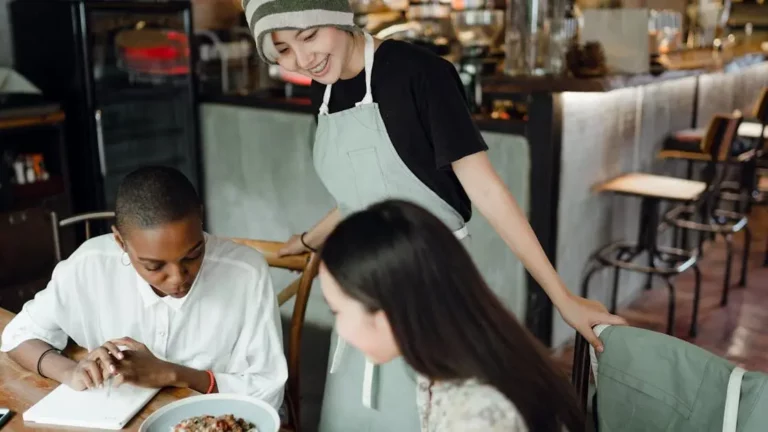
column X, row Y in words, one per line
column 369, row 179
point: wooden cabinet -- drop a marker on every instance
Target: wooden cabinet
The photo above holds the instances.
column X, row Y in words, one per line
column 26, row 234
column 27, row 255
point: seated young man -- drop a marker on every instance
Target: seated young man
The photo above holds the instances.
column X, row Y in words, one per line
column 191, row 310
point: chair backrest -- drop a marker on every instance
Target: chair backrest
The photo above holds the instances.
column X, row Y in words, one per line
column 719, row 142
column 760, row 111
column 719, row 135
column 581, row 369
column 86, row 219
column 648, row 380
column 308, row 264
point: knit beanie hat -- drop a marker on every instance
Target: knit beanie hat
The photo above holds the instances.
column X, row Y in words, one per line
column 267, row 16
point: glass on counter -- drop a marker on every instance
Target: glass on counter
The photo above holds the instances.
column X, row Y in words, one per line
column 535, row 40
column 665, row 29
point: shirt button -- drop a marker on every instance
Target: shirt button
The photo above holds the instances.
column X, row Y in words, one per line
column 161, row 334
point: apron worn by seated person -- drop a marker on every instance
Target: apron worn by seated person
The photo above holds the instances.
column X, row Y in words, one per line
column 359, row 166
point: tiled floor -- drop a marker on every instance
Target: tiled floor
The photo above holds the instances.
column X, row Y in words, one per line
column 739, row 331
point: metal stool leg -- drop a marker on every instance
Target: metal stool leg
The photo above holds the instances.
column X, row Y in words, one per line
column 728, row 260
column 696, row 297
column 745, row 256
column 587, row 277
column 649, row 279
column 615, row 288
column 671, row 310
column 765, row 260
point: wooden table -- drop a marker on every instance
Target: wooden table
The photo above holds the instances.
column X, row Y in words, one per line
column 20, row 389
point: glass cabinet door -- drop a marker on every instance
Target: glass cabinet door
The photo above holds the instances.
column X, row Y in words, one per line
column 142, row 91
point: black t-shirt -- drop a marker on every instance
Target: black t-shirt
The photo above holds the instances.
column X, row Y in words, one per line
column 424, row 108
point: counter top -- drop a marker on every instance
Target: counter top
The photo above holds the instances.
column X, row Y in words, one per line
column 681, row 65
column 270, row 100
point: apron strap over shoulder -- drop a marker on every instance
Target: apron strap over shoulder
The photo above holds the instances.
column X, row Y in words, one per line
column 369, row 54
column 326, row 99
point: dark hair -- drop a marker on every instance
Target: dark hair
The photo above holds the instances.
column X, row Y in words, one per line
column 399, row 258
column 155, row 195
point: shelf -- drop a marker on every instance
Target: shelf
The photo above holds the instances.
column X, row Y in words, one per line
column 31, row 121
column 39, row 190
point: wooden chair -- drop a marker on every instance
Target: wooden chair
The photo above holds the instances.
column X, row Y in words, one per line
column 86, row 219
column 308, row 265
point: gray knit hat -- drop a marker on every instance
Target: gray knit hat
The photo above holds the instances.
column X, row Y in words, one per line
column 267, row 16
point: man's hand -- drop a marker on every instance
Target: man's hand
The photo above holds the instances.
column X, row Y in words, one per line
column 140, row 367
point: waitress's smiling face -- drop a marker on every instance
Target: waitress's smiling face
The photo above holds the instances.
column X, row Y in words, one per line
column 319, row 53
column 367, row 331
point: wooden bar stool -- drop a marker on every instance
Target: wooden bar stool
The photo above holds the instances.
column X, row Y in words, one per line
column 692, row 146
column 714, row 219
column 689, row 144
column 665, row 262
column 701, row 152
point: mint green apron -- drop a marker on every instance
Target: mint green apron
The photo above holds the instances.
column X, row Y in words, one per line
column 359, row 166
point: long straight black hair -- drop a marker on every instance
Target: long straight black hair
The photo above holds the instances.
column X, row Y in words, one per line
column 398, row 258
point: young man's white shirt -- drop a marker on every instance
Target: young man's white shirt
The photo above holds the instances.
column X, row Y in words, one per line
column 228, row 323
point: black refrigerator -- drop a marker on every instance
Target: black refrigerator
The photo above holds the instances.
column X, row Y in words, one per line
column 124, row 74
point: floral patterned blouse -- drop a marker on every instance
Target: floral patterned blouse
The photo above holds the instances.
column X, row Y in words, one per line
column 465, row 406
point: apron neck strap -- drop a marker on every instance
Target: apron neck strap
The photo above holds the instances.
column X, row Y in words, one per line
column 368, row 98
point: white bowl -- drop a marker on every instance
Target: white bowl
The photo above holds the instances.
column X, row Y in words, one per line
column 252, row 410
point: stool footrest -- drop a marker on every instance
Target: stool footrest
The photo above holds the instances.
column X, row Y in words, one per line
column 733, row 221
column 677, row 260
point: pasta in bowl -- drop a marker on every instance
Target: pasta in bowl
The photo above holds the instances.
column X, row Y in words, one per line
column 214, row 413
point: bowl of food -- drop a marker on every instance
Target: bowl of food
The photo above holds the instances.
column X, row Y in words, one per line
column 214, row 412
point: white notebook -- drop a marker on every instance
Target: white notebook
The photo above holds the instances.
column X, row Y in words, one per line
column 90, row 409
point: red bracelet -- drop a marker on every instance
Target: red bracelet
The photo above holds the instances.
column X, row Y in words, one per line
column 213, row 382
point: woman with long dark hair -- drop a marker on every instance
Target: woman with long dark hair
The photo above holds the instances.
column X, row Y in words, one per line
column 403, row 288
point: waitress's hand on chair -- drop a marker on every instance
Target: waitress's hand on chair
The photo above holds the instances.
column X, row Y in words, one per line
column 293, row 246
column 583, row 314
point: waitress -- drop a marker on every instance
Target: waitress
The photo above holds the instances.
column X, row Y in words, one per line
column 393, row 123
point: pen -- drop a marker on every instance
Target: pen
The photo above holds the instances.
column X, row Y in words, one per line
column 109, row 385
column 5, row 415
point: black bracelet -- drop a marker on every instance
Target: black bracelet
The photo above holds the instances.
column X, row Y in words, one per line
column 40, row 360
column 305, row 243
